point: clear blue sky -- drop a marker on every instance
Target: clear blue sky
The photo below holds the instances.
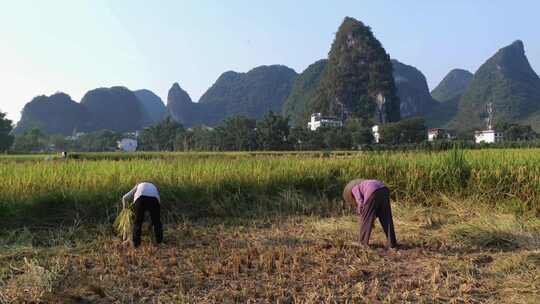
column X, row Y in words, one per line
column 77, row 45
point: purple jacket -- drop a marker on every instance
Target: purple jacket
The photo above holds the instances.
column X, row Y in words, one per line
column 364, row 190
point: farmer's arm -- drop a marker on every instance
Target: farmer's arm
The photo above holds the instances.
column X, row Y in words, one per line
column 128, row 196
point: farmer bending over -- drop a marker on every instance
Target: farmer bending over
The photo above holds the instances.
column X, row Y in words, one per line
column 371, row 199
column 145, row 198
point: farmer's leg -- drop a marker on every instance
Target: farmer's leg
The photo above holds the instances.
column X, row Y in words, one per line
column 367, row 217
column 139, row 219
column 155, row 215
column 384, row 213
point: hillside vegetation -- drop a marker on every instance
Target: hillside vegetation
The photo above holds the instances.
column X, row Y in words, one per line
column 453, row 85
column 116, row 108
column 358, row 80
column 55, row 114
column 412, row 90
column 152, row 104
column 250, row 94
column 506, row 80
column 298, row 106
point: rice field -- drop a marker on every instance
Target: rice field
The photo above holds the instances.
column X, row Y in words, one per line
column 271, row 228
column 215, row 185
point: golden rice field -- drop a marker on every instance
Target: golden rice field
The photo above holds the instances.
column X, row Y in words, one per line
column 238, row 184
column 271, row 228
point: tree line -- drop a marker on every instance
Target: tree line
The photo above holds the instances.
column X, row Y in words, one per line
column 239, row 133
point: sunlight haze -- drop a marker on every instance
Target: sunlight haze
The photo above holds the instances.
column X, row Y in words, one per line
column 76, row 46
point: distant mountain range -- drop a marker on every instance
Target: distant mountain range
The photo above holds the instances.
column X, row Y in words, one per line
column 250, row 94
column 357, row 80
column 115, row 108
column 55, row 114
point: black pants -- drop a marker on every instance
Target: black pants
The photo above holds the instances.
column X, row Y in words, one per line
column 150, row 204
column 378, row 205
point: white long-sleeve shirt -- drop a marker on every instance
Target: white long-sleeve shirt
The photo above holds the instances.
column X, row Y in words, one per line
column 146, row 189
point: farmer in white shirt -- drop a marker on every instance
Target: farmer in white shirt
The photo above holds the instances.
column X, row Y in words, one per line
column 145, row 198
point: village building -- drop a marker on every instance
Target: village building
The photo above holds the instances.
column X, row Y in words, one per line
column 127, row 144
column 375, row 130
column 75, row 136
column 317, row 121
column 133, row 134
column 488, row 136
column 438, row 133
column 203, row 127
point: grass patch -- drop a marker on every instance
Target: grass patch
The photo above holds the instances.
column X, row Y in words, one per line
column 501, row 232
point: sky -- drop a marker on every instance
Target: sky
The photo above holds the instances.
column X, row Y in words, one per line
column 75, row 46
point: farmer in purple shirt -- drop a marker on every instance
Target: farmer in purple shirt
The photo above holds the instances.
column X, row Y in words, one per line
column 371, row 199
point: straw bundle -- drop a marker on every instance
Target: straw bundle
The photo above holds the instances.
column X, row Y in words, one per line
column 124, row 222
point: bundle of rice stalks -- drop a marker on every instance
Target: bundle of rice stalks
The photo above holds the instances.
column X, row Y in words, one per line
column 124, row 222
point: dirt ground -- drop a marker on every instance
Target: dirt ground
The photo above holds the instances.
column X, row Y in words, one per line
column 447, row 255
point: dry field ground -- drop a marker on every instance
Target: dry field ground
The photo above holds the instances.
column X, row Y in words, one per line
column 454, row 253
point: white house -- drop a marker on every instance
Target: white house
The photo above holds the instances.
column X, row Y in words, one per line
column 488, row 136
column 75, row 136
column 127, row 144
column 317, row 121
column 376, row 134
column 204, row 127
column 134, row 134
column 437, row 133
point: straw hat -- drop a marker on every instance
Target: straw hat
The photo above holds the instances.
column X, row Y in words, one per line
column 347, row 191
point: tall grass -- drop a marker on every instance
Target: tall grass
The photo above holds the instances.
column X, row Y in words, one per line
column 211, row 184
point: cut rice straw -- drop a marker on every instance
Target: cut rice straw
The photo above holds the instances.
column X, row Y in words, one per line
column 123, row 223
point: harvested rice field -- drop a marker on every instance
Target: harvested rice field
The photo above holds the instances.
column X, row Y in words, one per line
column 448, row 255
column 273, row 229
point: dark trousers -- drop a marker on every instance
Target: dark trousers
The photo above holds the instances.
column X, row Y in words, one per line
column 150, row 204
column 378, row 205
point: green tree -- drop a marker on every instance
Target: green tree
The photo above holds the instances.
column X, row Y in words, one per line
column 316, row 139
column 204, row 139
column 58, row 142
column 360, row 132
column 300, row 138
column 6, row 125
column 162, row 136
column 516, row 132
column 99, row 141
column 30, row 141
column 336, row 138
column 414, row 130
column 362, row 136
column 183, row 141
column 407, row 131
column 273, row 132
column 237, row 133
